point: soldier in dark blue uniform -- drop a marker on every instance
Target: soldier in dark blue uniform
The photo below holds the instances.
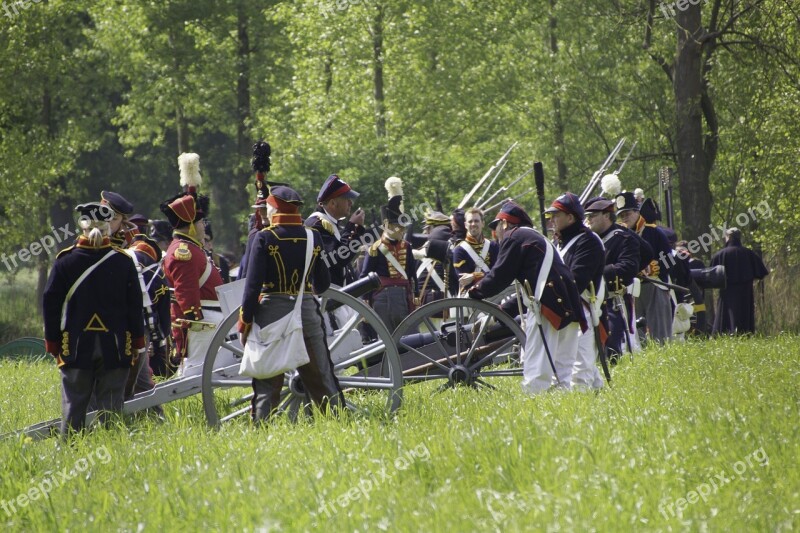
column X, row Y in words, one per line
column 433, row 257
column 523, row 254
column 93, row 321
column 392, row 259
column 146, row 253
column 736, row 311
column 474, row 256
column 654, row 301
column 276, row 262
column 622, row 258
column 580, row 249
column 335, row 201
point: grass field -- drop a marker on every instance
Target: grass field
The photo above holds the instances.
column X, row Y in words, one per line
column 701, row 437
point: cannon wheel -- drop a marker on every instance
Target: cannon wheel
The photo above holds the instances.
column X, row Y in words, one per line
column 482, row 350
column 227, row 395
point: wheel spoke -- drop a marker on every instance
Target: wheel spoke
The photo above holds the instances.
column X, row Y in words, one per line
column 365, row 353
column 483, row 360
column 429, row 358
column 459, row 330
column 503, row 372
column 435, row 332
column 235, row 348
column 360, row 382
column 235, row 414
column 476, row 340
column 487, row 385
column 342, row 332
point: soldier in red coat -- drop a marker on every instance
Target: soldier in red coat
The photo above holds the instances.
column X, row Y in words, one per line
column 190, row 272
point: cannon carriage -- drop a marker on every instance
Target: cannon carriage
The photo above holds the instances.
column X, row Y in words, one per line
column 474, row 342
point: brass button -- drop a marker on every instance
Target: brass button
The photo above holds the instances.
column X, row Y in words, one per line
column 559, row 300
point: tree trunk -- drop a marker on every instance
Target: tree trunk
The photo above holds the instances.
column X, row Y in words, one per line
column 232, row 231
column 693, row 164
column 377, row 49
column 558, row 122
column 43, row 263
column 182, row 129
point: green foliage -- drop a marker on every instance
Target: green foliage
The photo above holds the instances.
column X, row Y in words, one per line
column 677, row 418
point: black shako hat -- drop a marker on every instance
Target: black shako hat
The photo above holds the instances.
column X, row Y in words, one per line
column 626, row 201
column 393, row 213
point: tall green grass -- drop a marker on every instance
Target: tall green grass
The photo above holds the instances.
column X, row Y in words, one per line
column 675, row 420
column 19, row 313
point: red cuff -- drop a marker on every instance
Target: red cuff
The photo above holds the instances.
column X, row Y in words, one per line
column 244, row 327
column 53, row 348
column 138, row 343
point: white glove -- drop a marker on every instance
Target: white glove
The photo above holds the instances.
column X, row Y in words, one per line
column 419, row 254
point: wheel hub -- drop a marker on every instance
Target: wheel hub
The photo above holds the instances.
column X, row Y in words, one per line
column 459, row 374
column 296, row 385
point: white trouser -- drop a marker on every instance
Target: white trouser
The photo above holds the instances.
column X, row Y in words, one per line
column 537, row 374
column 585, row 373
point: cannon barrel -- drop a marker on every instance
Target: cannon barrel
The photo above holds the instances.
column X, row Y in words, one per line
column 357, row 289
column 709, row 278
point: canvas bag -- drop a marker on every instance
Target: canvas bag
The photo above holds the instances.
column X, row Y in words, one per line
column 279, row 347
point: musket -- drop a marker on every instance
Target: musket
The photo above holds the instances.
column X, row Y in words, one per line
column 532, row 301
column 665, row 284
column 597, row 176
column 538, row 173
column 601, row 350
column 665, row 182
column 622, row 165
column 506, row 187
column 485, row 176
column 491, row 183
column 507, row 199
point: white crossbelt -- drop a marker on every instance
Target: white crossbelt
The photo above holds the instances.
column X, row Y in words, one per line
column 480, row 261
column 393, row 260
column 427, row 264
column 206, row 273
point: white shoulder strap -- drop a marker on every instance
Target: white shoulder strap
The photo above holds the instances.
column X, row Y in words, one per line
column 563, row 251
column 547, row 264
column 393, row 260
column 479, row 262
column 77, row 284
column 309, row 252
column 427, row 264
column 206, row 272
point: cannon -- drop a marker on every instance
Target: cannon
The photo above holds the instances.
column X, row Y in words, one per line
column 475, row 341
